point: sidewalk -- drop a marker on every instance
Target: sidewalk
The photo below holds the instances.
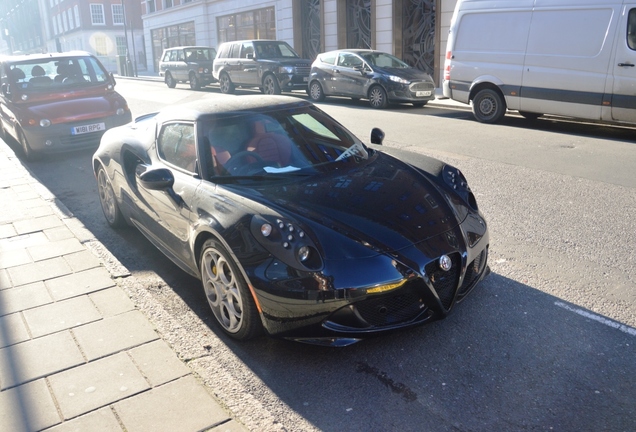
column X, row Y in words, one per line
column 75, row 354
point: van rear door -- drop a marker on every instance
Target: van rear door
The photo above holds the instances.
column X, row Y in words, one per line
column 624, row 68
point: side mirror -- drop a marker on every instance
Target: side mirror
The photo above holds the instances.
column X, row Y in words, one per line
column 250, row 56
column 5, row 90
column 157, row 179
column 377, row 136
column 112, row 78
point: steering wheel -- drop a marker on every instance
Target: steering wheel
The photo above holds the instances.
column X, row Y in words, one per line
column 236, row 164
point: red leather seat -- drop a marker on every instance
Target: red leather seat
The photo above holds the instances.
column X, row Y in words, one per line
column 271, row 146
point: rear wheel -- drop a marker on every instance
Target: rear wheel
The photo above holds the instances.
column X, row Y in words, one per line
column 270, row 85
column 170, row 81
column 315, row 92
column 227, row 293
column 225, row 84
column 377, row 97
column 107, row 198
column 488, row 106
column 195, row 84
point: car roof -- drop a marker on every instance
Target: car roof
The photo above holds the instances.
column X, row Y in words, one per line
column 45, row 56
column 252, row 40
column 355, row 51
column 228, row 104
column 188, row 46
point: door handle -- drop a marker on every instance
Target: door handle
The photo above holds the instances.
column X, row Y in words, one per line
column 626, row 64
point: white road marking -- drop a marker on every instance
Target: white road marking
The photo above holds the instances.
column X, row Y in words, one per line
column 622, row 327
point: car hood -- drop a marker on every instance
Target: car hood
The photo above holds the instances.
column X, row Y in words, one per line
column 77, row 109
column 382, row 203
column 406, row 73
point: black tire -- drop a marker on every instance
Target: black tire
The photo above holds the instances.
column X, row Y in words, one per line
column 107, row 199
column 195, row 84
column 377, row 97
column 315, row 92
column 419, row 104
column 227, row 292
column 270, row 85
column 225, row 84
column 488, row 106
column 170, row 81
column 530, row 115
column 25, row 148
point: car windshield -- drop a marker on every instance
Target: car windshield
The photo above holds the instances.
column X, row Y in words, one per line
column 53, row 74
column 274, row 49
column 284, row 142
column 384, row 60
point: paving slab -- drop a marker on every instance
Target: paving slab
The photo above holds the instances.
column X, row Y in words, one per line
column 112, row 301
column 24, row 297
column 29, row 407
column 158, row 363
column 12, row 330
column 14, row 258
column 7, row 230
column 97, row 384
column 23, row 241
column 58, row 233
column 114, row 334
column 102, row 420
column 5, row 282
column 179, row 406
column 82, row 260
column 41, row 270
column 37, row 224
column 55, row 248
column 37, row 358
column 60, row 316
column 84, row 282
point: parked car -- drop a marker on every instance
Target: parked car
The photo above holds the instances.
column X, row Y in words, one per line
column 58, row 102
column 291, row 222
column 191, row 64
column 273, row 66
column 368, row 74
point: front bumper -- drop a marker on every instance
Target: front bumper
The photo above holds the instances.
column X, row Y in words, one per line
column 316, row 310
column 58, row 137
column 420, row 91
column 290, row 82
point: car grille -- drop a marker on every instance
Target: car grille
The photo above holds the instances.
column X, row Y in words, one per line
column 303, row 70
column 81, row 140
column 473, row 272
column 403, row 306
column 422, row 85
column 445, row 282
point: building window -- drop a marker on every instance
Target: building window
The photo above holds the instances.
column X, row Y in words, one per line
column 64, row 22
column 69, row 13
column 150, row 6
column 166, row 37
column 167, row 4
column 101, row 48
column 118, row 14
column 77, row 15
column 54, row 26
column 121, row 45
column 256, row 24
column 97, row 14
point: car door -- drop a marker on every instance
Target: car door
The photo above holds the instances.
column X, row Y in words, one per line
column 344, row 74
column 180, row 66
column 624, row 68
column 169, row 213
column 248, row 66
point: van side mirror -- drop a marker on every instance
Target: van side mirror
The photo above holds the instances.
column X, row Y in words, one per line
column 377, row 136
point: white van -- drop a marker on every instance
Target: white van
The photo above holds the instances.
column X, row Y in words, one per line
column 573, row 58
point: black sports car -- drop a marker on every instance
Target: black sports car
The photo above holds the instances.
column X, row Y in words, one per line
column 293, row 224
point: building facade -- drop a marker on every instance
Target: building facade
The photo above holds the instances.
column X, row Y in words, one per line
column 414, row 30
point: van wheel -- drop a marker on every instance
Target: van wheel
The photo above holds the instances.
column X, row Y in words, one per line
column 377, row 97
column 195, row 84
column 170, row 82
column 488, row 106
column 270, row 85
column 315, row 92
column 530, row 115
column 225, row 84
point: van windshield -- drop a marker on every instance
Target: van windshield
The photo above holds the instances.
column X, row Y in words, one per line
column 54, row 74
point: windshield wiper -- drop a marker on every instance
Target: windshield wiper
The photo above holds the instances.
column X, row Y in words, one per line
column 260, row 177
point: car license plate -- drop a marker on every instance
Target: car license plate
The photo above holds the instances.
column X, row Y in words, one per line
column 422, row 93
column 78, row 130
column 305, row 79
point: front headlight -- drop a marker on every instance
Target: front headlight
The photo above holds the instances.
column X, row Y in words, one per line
column 397, row 79
column 286, row 69
column 45, row 122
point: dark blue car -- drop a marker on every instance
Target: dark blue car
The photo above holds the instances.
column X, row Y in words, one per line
column 368, row 74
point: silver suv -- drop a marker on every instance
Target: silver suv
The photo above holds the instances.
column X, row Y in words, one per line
column 191, row 64
column 273, row 66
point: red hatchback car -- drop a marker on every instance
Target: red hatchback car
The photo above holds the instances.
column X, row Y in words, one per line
column 58, row 102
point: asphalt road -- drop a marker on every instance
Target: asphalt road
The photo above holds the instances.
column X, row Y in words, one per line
column 547, row 342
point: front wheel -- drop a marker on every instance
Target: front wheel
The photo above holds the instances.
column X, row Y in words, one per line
column 377, row 97
column 225, row 84
column 315, row 92
column 170, row 81
column 195, row 83
column 27, row 153
column 107, row 198
column 227, row 293
column 270, row 85
column 488, row 106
